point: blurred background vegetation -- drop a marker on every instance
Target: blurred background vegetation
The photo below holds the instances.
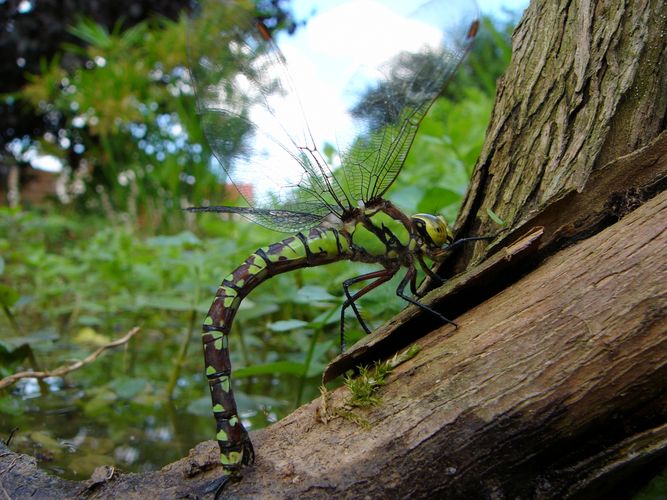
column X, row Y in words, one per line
column 100, row 90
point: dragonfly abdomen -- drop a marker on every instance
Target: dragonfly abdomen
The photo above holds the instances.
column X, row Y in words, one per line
column 321, row 245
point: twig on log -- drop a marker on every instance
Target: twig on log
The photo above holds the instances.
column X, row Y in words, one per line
column 64, row 370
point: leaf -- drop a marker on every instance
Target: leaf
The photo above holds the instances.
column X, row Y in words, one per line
column 312, row 293
column 8, row 296
column 435, row 199
column 9, row 355
column 87, row 320
column 201, row 406
column 251, row 310
column 407, row 198
column 127, row 388
column 91, row 32
column 88, row 336
column 492, row 215
column 38, row 339
column 287, row 325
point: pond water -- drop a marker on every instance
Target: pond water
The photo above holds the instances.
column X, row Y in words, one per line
column 71, row 432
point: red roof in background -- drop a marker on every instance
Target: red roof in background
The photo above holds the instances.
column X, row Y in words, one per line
column 234, row 192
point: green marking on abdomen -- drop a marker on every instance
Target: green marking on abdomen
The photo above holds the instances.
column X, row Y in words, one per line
column 224, row 383
column 234, row 457
column 327, row 243
column 294, row 250
column 255, row 265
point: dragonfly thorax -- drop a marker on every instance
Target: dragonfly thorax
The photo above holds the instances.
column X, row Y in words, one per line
column 433, row 230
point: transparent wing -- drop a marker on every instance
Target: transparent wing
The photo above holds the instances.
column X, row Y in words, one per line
column 366, row 74
column 288, row 220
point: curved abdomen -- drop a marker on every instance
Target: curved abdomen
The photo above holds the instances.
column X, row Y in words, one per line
column 319, row 246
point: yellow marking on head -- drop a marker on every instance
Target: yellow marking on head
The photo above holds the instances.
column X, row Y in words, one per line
column 217, row 408
column 434, row 229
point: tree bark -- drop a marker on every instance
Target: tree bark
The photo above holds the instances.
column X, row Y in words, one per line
column 555, row 382
column 586, row 85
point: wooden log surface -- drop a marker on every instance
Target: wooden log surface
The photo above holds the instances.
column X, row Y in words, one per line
column 563, row 367
column 553, row 386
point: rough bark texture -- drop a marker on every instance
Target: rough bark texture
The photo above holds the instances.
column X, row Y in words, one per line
column 586, row 86
column 555, row 382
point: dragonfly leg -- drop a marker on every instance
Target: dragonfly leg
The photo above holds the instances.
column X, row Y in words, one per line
column 400, row 291
column 429, row 272
column 472, row 238
column 383, row 275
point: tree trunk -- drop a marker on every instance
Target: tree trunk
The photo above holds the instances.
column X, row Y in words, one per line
column 587, row 84
column 555, row 382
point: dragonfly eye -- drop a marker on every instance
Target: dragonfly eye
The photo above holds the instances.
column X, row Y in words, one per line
column 433, row 230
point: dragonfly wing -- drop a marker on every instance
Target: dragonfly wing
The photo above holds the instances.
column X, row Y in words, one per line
column 252, row 117
column 289, row 221
column 366, row 106
column 400, row 90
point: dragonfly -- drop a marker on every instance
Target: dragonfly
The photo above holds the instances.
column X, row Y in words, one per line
column 333, row 204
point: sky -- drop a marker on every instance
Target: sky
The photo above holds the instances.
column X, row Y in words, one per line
column 324, row 56
column 340, row 53
column 486, row 7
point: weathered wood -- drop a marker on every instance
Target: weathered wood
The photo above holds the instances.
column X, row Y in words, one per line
column 610, row 193
column 531, row 393
column 555, row 384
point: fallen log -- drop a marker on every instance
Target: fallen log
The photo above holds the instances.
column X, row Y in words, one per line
column 551, row 388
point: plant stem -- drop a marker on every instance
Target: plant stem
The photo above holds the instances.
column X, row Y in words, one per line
column 182, row 353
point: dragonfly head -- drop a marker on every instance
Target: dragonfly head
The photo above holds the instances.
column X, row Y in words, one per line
column 433, row 230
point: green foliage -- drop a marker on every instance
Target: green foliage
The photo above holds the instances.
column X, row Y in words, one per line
column 69, row 282
column 487, row 60
column 100, row 282
column 130, row 126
